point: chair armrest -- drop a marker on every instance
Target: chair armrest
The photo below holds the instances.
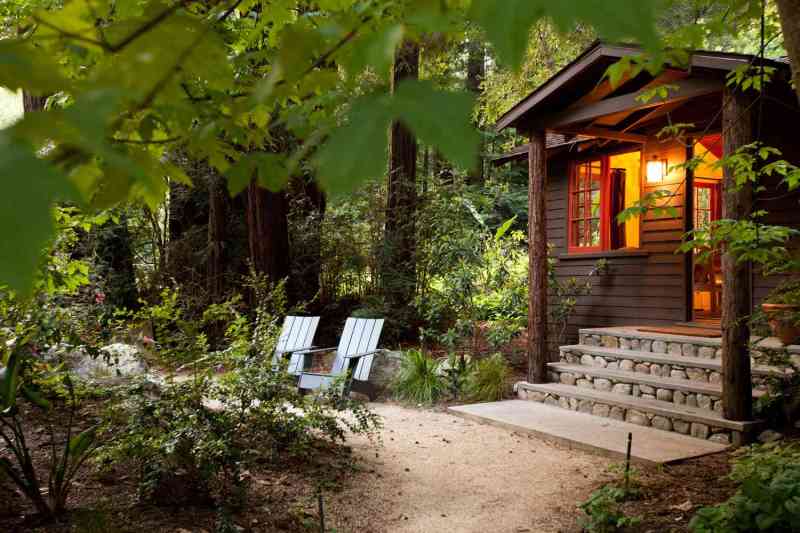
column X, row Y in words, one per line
column 316, row 350
column 293, row 350
column 358, row 355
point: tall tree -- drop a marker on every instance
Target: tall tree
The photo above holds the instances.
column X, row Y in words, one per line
column 268, row 233
column 217, row 221
column 476, row 71
column 790, row 24
column 399, row 266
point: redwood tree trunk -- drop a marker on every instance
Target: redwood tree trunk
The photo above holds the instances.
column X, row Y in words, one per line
column 737, row 203
column 399, row 265
column 789, row 11
column 537, row 258
column 476, row 71
column 217, row 221
column 268, row 232
column 31, row 102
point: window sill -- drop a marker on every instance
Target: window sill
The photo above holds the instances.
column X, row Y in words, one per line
column 606, row 254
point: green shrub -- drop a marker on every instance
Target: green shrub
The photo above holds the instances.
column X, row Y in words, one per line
column 768, row 499
column 603, row 512
column 418, row 380
column 488, row 380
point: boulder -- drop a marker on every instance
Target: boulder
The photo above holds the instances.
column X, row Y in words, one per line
column 385, row 367
column 116, row 363
column 769, row 435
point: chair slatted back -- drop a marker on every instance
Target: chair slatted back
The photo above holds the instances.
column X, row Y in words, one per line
column 297, row 332
column 359, row 335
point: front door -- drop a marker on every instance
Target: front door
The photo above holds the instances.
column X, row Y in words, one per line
column 707, row 275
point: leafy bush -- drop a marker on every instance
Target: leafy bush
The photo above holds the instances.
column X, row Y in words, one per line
column 456, row 371
column 603, row 513
column 488, row 379
column 418, row 380
column 769, row 496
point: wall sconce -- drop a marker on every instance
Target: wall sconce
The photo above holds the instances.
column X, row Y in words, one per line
column 656, row 170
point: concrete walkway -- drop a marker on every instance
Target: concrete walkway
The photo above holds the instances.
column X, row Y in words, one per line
column 587, row 432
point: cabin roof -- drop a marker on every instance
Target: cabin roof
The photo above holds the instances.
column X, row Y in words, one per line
column 584, row 73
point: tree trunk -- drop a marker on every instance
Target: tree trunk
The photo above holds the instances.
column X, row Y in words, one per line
column 399, row 266
column 537, row 258
column 32, row 103
column 217, row 222
column 476, row 71
column 114, row 263
column 737, row 202
column 789, row 11
column 306, row 240
column 268, row 232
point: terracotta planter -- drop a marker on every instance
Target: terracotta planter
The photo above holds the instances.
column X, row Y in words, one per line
column 782, row 327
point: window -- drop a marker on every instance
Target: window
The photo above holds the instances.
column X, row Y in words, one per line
column 586, row 206
column 599, row 189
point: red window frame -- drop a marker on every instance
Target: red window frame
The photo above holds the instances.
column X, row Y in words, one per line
column 715, row 199
column 580, row 192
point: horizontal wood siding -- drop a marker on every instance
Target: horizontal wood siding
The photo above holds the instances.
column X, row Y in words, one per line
column 644, row 290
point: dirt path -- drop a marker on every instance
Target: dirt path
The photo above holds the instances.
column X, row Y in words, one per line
column 439, row 473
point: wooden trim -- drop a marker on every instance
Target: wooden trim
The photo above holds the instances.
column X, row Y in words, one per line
column 571, row 247
column 606, row 133
column 537, row 258
column 690, row 88
column 604, row 254
column 688, row 225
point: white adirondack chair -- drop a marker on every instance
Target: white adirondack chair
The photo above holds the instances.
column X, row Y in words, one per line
column 357, row 348
column 297, row 336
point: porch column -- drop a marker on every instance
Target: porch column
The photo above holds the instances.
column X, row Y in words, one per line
column 737, row 399
column 537, row 258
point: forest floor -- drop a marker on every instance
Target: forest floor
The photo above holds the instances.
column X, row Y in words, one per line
column 430, row 471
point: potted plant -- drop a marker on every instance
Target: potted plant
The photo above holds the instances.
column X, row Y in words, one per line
column 782, row 308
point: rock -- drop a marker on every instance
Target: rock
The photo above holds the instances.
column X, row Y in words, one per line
column 718, row 406
column 722, row 438
column 613, row 365
column 642, row 368
column 585, row 406
column 634, row 344
column 636, row 417
column 691, row 400
column 601, row 409
column 655, row 369
column 589, row 340
column 703, row 401
column 769, row 435
column 678, row 374
column 601, row 362
column 587, row 360
column 549, row 400
column 573, row 404
column 673, row 348
column 625, row 344
column 535, row 396
column 563, row 402
column 647, row 389
column 622, row 388
column 626, row 364
column 609, row 342
column 689, row 350
column 602, row 384
column 700, row 431
column 681, row 427
column 617, row 413
column 585, row 384
column 661, row 422
column 659, row 347
column 572, row 358
column 646, row 345
column 715, row 377
column 706, row 352
column 648, row 396
column 696, row 374
column 678, row 398
column 718, row 353
column 552, row 377
column 665, row 395
column 385, row 366
column 116, row 363
column 635, row 391
column 567, row 378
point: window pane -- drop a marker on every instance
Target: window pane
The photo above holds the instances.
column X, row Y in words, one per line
column 594, row 232
column 595, row 203
column 703, row 198
column 579, row 234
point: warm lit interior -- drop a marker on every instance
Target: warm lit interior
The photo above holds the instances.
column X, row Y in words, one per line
column 707, row 277
column 709, row 148
column 631, row 163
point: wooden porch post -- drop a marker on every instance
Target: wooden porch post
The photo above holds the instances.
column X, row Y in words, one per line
column 537, row 258
column 737, row 396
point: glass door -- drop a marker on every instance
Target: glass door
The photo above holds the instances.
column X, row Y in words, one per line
column 707, row 275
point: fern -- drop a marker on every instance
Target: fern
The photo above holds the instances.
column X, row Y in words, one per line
column 418, row 380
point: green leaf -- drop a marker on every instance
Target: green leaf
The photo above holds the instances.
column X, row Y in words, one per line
column 508, row 22
column 79, row 444
column 32, row 187
column 268, row 169
column 35, row 398
column 374, row 50
column 356, row 152
column 502, row 230
column 9, row 381
column 439, row 118
column 23, row 65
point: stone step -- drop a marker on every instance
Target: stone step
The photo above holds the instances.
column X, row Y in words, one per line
column 685, row 419
column 658, row 364
column 678, row 391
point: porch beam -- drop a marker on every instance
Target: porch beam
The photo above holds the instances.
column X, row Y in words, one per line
column 689, row 88
column 537, row 257
column 606, row 133
column 737, row 203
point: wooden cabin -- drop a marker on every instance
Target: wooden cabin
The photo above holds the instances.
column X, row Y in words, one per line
column 594, row 150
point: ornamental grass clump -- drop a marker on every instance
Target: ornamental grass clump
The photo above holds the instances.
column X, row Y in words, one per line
column 488, row 381
column 418, row 380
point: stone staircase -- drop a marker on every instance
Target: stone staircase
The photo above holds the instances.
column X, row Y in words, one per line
column 664, row 381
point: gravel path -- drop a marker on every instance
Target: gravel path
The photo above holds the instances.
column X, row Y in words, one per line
column 437, row 472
